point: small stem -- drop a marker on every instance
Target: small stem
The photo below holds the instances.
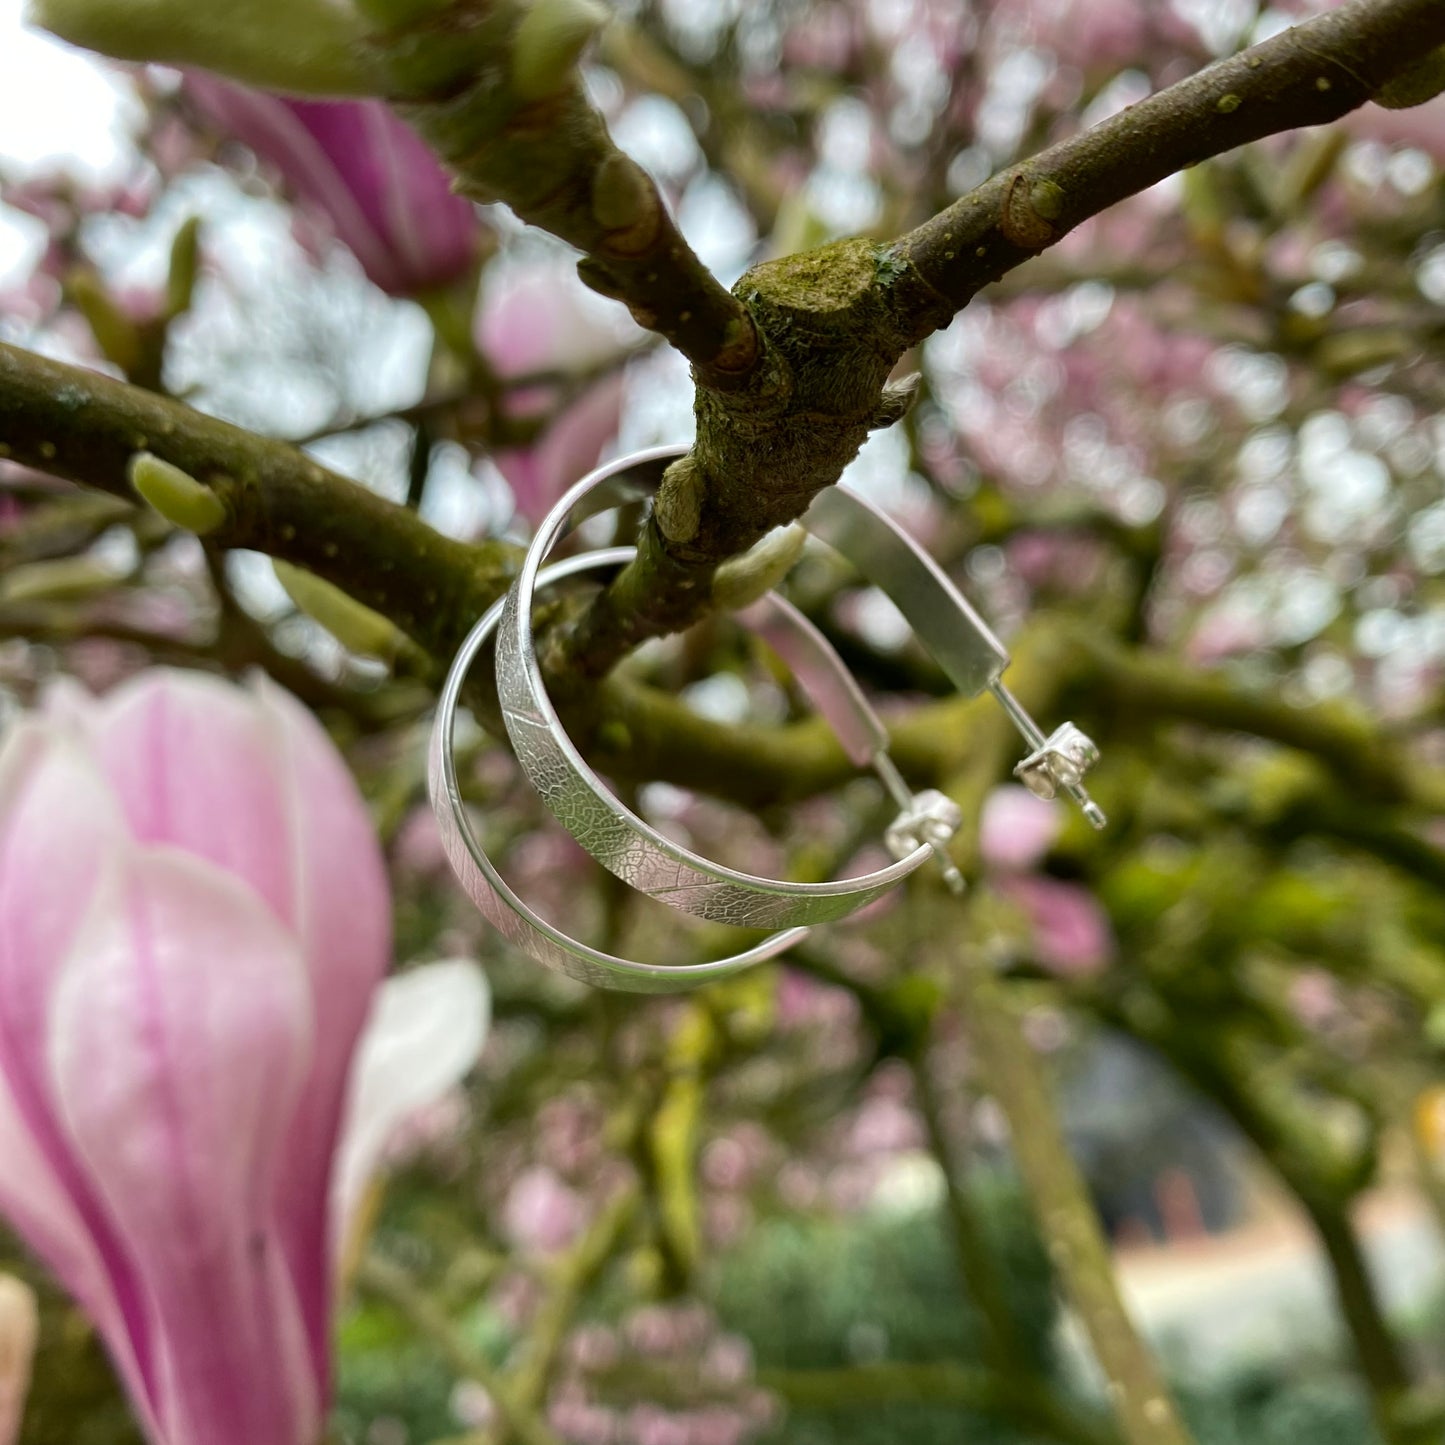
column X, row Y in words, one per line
column 1011, row 1379
column 1378, row 1352
column 1003, row 1348
column 1146, row 1413
column 379, row 1277
column 576, row 1275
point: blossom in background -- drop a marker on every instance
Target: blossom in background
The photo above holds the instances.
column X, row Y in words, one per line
column 363, row 173
column 1070, row 930
column 18, row 1328
column 199, row 1063
column 540, row 321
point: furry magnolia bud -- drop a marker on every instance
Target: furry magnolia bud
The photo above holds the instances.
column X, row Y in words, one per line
column 308, row 47
column 549, row 41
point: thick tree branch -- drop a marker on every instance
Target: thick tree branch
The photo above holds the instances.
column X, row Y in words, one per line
column 1308, row 75
column 837, row 320
column 793, row 367
column 500, row 98
column 86, row 427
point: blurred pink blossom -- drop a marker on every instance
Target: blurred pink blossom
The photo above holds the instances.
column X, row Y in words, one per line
column 885, row 1126
column 582, row 1423
column 540, row 320
column 542, row 1214
column 1016, row 829
column 566, row 451
column 540, row 323
column 1092, row 34
column 198, row 1068
column 1315, row 998
column 417, row 846
column 1071, row 931
column 1421, row 126
column 805, row 1002
column 354, row 166
column 595, row 1347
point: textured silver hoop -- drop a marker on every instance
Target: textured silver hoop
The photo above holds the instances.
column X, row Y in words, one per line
column 823, row 677
column 962, row 643
column 627, row 845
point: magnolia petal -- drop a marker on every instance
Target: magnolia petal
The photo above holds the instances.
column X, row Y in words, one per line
column 427, row 232
column 538, row 317
column 1071, row 932
column 19, row 1324
column 365, row 172
column 37, row 1207
column 196, row 766
column 180, row 1037
column 58, row 823
column 343, row 919
column 569, row 448
column 186, row 751
column 426, row 1029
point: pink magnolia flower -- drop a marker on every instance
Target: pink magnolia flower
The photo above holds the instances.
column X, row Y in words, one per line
column 542, row 1213
column 18, row 1328
column 367, row 175
column 1070, row 930
column 541, row 321
column 198, row 1067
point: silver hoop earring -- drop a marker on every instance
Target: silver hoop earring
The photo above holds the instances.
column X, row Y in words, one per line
column 829, row 686
column 967, row 650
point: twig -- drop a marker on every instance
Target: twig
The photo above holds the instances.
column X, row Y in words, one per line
column 1147, row 1414
column 387, row 1281
column 517, row 126
column 1308, row 75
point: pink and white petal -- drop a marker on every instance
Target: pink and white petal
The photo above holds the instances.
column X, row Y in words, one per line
column 196, row 765
column 180, row 1036
column 59, row 822
column 426, row 1030
column 343, row 918
column 277, row 131
column 1016, row 829
column 568, row 450
column 35, row 1204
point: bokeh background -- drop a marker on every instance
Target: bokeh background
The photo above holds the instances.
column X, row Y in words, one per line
column 1189, row 463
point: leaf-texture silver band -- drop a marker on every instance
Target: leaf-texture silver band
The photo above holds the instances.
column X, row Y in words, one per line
column 821, row 673
column 581, row 801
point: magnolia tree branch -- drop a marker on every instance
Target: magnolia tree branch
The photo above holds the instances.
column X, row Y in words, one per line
column 836, row 321
column 86, row 427
column 494, row 87
column 1308, row 75
column 792, row 368
column 1145, row 1410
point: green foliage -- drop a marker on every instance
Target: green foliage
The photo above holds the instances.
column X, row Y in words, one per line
column 819, row 1294
column 1277, row 1407
column 386, row 1375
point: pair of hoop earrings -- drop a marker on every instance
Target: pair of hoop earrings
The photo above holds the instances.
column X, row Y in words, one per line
column 959, row 640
